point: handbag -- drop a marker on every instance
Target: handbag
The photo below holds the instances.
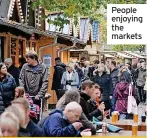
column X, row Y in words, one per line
column 132, row 105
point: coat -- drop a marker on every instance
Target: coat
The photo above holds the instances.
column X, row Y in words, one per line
column 7, row 88
column 105, row 82
column 114, row 77
column 83, row 119
column 141, row 77
column 59, row 69
column 1, row 103
column 74, row 78
column 14, row 71
column 88, row 109
column 34, row 82
column 56, row 125
column 121, row 95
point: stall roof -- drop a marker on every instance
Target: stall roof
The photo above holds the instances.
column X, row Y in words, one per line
column 109, row 56
column 62, row 38
column 135, row 55
column 123, row 55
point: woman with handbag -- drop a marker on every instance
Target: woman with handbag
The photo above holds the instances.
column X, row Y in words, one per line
column 121, row 93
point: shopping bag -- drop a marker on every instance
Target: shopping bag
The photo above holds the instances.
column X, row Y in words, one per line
column 132, row 105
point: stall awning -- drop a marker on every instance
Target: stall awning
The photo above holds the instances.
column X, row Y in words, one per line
column 109, row 56
column 121, row 55
column 135, row 55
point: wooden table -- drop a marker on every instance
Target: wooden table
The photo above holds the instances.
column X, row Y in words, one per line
column 127, row 124
column 122, row 133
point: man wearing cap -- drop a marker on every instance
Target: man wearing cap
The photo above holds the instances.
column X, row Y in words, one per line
column 59, row 69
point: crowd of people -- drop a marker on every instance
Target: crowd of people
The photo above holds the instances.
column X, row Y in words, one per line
column 83, row 90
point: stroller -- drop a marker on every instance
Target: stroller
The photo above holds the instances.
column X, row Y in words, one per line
column 36, row 111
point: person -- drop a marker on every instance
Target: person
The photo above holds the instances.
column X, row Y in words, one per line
column 34, row 77
column 19, row 92
column 105, row 82
column 71, row 96
column 87, row 90
column 59, row 69
column 8, row 85
column 65, row 121
column 9, row 124
column 140, row 82
column 122, row 92
column 79, row 71
column 70, row 78
column 30, row 127
column 114, row 77
column 14, row 71
column 22, row 61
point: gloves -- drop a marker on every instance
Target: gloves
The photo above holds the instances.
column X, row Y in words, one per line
column 68, row 82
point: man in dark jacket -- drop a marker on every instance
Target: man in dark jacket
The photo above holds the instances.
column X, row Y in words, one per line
column 59, row 69
column 30, row 128
column 64, row 123
column 14, row 71
column 87, row 89
column 114, row 77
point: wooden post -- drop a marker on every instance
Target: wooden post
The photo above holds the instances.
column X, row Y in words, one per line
column 6, row 47
column 24, row 47
column 17, row 53
column 9, row 45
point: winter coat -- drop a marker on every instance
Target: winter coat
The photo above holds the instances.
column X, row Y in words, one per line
column 7, row 88
column 56, row 125
column 114, row 77
column 35, row 82
column 141, row 77
column 84, row 120
column 14, row 71
column 75, row 80
column 105, row 82
column 80, row 73
column 35, row 130
column 88, row 109
column 1, row 103
column 59, row 69
column 121, row 96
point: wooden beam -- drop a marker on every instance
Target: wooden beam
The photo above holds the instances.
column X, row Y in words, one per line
column 3, row 34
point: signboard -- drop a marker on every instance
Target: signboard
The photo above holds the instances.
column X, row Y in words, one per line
column 47, row 60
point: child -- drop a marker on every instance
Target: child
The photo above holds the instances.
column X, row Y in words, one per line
column 19, row 92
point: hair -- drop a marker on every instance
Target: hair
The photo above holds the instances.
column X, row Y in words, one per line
column 71, row 65
column 113, row 63
column 87, row 83
column 32, row 55
column 57, row 59
column 17, row 112
column 22, row 101
column 1, row 64
column 21, row 91
column 22, row 60
column 98, row 87
column 8, row 60
column 103, row 65
column 9, row 118
column 96, row 62
column 68, row 97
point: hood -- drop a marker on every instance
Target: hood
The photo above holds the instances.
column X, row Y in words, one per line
column 122, row 85
column 56, row 111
